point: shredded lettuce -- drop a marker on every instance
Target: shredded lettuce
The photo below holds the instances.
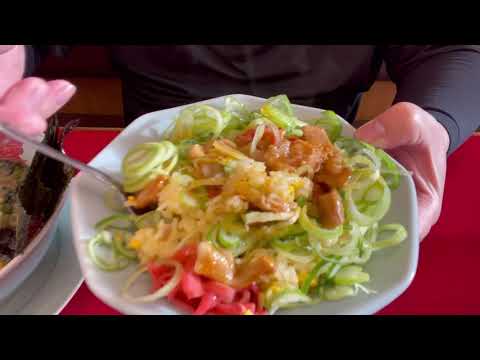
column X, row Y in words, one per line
column 279, row 110
column 236, row 116
column 331, row 123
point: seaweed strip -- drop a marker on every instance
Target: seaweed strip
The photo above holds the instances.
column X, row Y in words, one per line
column 43, row 187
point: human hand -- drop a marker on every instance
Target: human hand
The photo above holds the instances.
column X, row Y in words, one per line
column 26, row 104
column 414, row 138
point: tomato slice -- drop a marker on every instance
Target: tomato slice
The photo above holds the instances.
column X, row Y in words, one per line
column 244, row 296
column 250, row 306
column 261, row 312
column 159, row 270
column 230, row 309
column 185, row 253
column 198, row 295
column 187, row 257
column 160, row 274
column 192, row 285
column 225, row 293
column 245, row 137
column 255, row 291
column 208, row 302
column 268, row 136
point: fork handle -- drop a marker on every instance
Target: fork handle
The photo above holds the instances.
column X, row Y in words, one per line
column 57, row 155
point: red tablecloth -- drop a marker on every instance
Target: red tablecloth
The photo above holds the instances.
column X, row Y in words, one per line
column 447, row 280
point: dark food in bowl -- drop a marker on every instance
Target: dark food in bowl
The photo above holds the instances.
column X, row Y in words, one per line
column 30, row 194
column 11, row 175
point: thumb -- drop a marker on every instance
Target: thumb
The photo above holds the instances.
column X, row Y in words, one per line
column 399, row 125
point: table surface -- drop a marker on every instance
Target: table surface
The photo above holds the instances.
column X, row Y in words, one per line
column 448, row 271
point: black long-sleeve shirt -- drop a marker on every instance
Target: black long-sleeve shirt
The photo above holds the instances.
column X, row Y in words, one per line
column 444, row 80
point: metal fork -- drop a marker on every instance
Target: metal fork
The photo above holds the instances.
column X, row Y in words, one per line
column 57, row 155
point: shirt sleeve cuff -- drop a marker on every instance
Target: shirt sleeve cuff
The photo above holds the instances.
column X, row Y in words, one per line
column 450, row 125
column 30, row 61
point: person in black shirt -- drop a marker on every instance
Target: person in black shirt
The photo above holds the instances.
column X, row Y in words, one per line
column 434, row 112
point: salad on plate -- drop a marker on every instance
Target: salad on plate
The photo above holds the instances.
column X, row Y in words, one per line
column 248, row 212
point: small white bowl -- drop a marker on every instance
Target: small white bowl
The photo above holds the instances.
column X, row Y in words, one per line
column 20, row 267
column 392, row 270
column 14, row 273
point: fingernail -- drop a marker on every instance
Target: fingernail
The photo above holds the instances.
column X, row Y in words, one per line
column 373, row 132
column 64, row 92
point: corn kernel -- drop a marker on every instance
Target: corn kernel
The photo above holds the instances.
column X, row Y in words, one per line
column 131, row 201
column 135, row 244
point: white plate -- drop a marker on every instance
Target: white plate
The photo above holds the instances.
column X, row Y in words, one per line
column 391, row 270
column 54, row 281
